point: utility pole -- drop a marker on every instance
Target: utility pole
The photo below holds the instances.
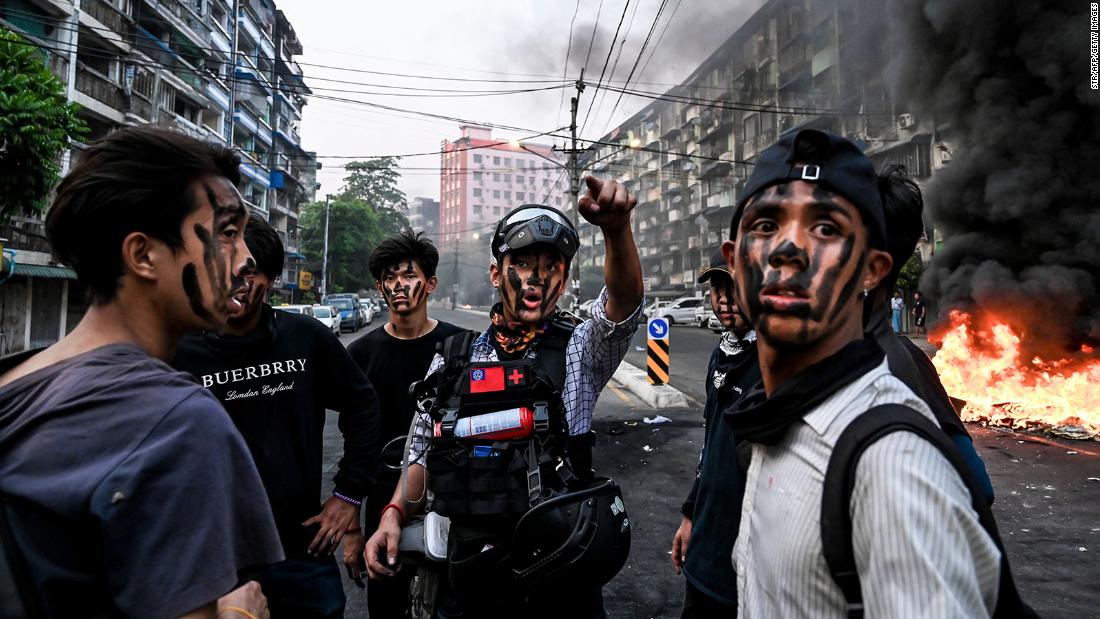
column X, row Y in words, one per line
column 454, row 280
column 324, row 258
column 574, row 170
column 232, row 77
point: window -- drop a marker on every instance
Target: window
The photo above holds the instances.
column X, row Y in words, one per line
column 477, row 209
column 507, row 195
column 496, row 160
column 507, row 162
column 496, row 176
column 545, row 182
column 477, row 158
column 477, row 176
column 519, row 195
column 496, row 210
column 507, row 178
column 531, row 179
column 496, row 193
column 477, row 193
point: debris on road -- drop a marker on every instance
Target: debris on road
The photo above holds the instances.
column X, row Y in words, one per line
column 657, row 419
column 647, row 449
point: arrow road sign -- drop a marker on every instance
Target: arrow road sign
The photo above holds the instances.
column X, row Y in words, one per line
column 658, row 329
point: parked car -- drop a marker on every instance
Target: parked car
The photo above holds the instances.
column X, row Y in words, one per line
column 328, row 317
column 652, row 309
column 703, row 314
column 714, row 325
column 367, row 308
column 681, row 311
column 306, row 310
column 348, row 310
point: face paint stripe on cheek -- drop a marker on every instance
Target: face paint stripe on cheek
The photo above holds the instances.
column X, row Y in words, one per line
column 194, row 292
column 850, row 287
column 214, row 273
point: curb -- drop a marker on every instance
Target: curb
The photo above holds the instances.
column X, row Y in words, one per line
column 636, row 381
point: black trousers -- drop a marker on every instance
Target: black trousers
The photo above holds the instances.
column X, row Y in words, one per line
column 698, row 605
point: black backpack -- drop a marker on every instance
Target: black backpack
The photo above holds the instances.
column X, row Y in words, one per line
column 836, row 522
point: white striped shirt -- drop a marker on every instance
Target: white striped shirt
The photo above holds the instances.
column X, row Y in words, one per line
column 592, row 355
column 919, row 547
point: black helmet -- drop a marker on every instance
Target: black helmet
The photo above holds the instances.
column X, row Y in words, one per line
column 534, row 223
column 581, row 536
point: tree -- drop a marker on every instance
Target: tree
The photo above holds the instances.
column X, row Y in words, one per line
column 353, row 231
column 909, row 277
column 36, row 124
column 375, row 182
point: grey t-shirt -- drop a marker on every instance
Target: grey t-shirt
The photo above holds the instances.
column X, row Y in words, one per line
column 128, row 491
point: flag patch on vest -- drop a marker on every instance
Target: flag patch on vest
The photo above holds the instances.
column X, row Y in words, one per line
column 484, row 380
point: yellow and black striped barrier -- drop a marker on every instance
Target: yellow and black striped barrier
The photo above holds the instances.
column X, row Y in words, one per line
column 657, row 361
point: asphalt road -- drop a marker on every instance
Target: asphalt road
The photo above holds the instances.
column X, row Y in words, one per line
column 1048, row 494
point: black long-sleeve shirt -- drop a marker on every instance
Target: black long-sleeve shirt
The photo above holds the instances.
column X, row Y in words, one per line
column 276, row 384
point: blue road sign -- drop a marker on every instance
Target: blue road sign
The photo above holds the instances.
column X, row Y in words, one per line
column 658, row 329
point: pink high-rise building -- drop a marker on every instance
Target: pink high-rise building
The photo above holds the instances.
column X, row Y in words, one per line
column 481, row 179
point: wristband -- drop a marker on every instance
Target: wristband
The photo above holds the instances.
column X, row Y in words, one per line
column 236, row 609
column 347, row 499
column 395, row 506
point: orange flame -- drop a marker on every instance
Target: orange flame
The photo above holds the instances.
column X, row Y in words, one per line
column 999, row 388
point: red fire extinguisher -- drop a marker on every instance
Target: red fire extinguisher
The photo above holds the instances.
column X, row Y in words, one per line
column 506, row 425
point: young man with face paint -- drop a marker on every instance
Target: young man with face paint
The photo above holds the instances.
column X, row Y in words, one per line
column 393, row 356
column 126, row 489
column 277, row 373
column 532, row 249
column 807, row 246
column 710, row 515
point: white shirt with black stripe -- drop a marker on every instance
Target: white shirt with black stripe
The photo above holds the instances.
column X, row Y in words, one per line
column 919, row 546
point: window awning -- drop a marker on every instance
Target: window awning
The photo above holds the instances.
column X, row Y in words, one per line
column 38, row 270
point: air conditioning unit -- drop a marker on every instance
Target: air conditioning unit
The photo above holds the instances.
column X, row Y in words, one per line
column 905, row 121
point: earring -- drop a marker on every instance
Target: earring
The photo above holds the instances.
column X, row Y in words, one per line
column 866, row 293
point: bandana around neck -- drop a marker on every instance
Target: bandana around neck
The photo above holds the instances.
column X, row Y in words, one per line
column 511, row 339
column 731, row 345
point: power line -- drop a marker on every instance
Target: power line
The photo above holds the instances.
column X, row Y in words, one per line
column 565, row 68
column 610, row 49
column 660, row 38
column 641, row 52
column 592, row 39
column 614, row 67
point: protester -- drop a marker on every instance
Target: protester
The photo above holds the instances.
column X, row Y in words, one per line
column 532, row 248
column 392, row 357
column 918, row 312
column 897, row 309
column 126, row 490
column 276, row 373
column 808, row 237
column 712, row 511
column 903, row 205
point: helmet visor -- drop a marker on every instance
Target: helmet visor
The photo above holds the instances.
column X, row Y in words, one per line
column 531, row 226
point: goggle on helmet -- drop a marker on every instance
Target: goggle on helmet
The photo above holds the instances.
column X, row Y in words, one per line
column 531, row 224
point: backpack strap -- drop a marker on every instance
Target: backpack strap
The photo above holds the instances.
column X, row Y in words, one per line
column 552, row 344
column 840, row 477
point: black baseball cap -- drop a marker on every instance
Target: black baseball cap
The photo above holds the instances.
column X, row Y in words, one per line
column 717, row 265
column 531, row 224
column 837, row 164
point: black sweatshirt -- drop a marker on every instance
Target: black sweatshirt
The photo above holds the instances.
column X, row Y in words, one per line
column 276, row 384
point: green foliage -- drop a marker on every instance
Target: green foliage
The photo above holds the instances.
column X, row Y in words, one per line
column 368, row 209
column 35, row 125
column 375, row 182
column 909, row 278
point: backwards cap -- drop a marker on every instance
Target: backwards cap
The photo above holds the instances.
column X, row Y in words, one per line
column 837, row 164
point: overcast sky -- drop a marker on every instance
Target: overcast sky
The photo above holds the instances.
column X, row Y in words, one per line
column 485, row 40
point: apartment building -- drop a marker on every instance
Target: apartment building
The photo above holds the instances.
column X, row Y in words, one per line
column 424, row 216
column 481, row 179
column 793, row 64
column 170, row 62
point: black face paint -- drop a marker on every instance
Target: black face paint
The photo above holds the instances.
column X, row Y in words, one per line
column 782, row 190
column 417, row 292
column 214, row 274
column 517, row 285
column 753, row 277
column 194, row 292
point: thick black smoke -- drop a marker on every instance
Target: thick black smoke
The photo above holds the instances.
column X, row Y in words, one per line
column 1007, row 83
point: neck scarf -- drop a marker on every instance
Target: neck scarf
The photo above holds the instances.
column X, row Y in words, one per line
column 762, row 419
column 731, row 345
column 511, row 339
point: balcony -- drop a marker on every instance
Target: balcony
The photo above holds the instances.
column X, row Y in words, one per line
column 217, row 93
column 184, row 21
column 246, row 68
column 715, row 169
column 109, row 16
column 261, row 39
column 99, row 87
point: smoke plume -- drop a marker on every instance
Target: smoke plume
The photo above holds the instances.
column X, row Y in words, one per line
column 1008, row 86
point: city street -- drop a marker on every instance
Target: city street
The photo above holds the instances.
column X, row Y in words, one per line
column 1048, row 493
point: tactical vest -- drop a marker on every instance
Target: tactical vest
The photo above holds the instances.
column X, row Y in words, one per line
column 472, row 477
